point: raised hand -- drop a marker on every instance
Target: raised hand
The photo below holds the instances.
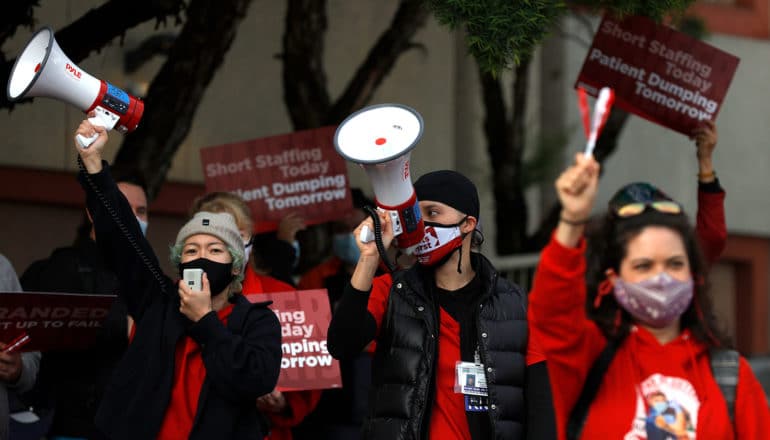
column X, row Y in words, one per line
column 705, row 137
column 576, row 188
column 370, row 257
column 289, row 226
column 91, row 155
column 370, row 248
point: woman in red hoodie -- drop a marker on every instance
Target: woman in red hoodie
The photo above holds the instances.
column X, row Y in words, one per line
column 631, row 305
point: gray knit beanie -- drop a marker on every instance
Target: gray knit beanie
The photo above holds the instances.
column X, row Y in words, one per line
column 219, row 224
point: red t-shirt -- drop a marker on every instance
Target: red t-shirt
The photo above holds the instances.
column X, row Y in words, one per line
column 189, row 373
column 448, row 420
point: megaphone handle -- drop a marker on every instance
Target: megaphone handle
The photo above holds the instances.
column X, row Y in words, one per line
column 103, row 118
column 366, row 235
column 86, row 142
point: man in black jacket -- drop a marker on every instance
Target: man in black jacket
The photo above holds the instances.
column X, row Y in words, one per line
column 438, row 322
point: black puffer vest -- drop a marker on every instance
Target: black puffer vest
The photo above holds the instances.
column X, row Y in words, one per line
column 407, row 348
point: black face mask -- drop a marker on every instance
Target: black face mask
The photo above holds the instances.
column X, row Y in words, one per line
column 220, row 274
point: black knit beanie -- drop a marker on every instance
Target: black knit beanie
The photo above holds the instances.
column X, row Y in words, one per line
column 450, row 188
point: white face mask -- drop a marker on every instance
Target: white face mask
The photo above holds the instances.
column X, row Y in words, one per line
column 143, row 226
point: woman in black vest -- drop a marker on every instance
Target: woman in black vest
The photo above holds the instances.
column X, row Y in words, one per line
column 438, row 323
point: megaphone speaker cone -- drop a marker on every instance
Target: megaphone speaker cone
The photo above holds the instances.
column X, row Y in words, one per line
column 28, row 66
column 378, row 133
column 44, row 70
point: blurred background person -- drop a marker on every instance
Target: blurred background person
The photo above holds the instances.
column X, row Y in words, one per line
column 18, row 371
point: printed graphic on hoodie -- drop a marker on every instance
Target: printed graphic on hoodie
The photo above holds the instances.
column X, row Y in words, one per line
column 666, row 409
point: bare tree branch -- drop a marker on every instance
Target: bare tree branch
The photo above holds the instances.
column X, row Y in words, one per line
column 304, row 80
column 199, row 50
column 409, row 18
column 14, row 14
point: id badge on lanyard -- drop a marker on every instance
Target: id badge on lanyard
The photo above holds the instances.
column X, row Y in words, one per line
column 472, row 383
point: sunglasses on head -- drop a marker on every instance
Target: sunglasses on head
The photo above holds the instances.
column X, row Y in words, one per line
column 635, row 198
column 636, row 208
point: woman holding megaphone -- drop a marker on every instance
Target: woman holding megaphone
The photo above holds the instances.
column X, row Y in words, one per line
column 447, row 319
column 198, row 358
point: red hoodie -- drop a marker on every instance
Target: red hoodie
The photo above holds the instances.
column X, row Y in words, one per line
column 644, row 374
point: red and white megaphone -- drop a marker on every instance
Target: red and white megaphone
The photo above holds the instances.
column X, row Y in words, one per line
column 44, row 70
column 380, row 139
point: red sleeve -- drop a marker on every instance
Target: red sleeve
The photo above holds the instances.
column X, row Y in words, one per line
column 752, row 416
column 301, row 403
column 557, row 301
column 558, row 324
column 378, row 298
column 535, row 354
column 710, row 224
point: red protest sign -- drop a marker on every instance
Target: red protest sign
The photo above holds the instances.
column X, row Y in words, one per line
column 657, row 72
column 297, row 172
column 304, row 316
column 53, row 321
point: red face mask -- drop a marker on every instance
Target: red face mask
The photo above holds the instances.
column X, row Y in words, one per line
column 438, row 243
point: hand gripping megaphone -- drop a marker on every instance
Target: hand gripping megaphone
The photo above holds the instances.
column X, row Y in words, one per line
column 380, row 139
column 44, row 70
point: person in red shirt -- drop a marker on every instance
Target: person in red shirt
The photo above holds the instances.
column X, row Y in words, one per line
column 436, row 323
column 198, row 358
column 284, row 410
column 635, row 285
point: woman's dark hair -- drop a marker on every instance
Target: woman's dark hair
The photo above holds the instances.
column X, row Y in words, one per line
column 608, row 239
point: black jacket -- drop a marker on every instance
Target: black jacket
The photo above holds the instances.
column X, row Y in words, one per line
column 242, row 360
column 404, row 364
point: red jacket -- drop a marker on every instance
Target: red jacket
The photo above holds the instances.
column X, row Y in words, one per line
column 642, row 372
column 300, row 403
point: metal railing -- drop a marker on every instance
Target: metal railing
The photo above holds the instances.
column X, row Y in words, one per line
column 519, row 269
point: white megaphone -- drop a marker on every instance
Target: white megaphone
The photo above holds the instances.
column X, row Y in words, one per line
column 44, row 70
column 380, row 139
